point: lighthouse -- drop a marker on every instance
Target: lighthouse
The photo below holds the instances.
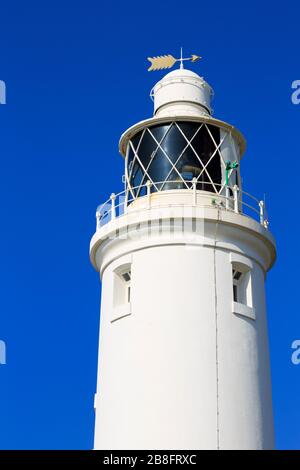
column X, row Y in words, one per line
column 183, row 253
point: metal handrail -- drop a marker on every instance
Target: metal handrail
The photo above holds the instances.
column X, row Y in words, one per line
column 117, row 204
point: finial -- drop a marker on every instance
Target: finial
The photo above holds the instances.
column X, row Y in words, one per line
column 181, row 60
column 167, row 61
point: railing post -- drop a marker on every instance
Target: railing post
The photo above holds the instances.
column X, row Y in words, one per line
column 235, row 198
column 98, row 216
column 261, row 212
column 126, row 201
column 113, row 206
column 227, row 197
column 194, row 181
column 148, row 186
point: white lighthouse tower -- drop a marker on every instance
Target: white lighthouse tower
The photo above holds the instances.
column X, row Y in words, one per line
column 183, row 254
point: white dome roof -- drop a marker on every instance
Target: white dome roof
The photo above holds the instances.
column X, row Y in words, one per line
column 182, row 92
column 181, row 73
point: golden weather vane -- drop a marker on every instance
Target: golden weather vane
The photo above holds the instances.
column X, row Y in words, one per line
column 167, row 61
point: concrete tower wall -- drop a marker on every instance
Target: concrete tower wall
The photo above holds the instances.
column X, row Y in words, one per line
column 178, row 367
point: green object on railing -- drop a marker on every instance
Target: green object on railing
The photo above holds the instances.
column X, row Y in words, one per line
column 230, row 166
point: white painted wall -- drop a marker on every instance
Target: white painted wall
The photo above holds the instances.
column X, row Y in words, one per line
column 181, row 370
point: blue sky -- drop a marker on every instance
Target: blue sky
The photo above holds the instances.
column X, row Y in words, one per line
column 76, row 77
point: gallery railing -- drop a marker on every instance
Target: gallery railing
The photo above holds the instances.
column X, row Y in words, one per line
column 229, row 198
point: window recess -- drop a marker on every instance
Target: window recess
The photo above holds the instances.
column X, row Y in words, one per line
column 122, row 292
column 242, row 290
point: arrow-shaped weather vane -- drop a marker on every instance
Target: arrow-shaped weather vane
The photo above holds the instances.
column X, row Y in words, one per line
column 167, row 61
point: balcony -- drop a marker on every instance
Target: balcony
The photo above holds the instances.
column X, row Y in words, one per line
column 229, row 198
